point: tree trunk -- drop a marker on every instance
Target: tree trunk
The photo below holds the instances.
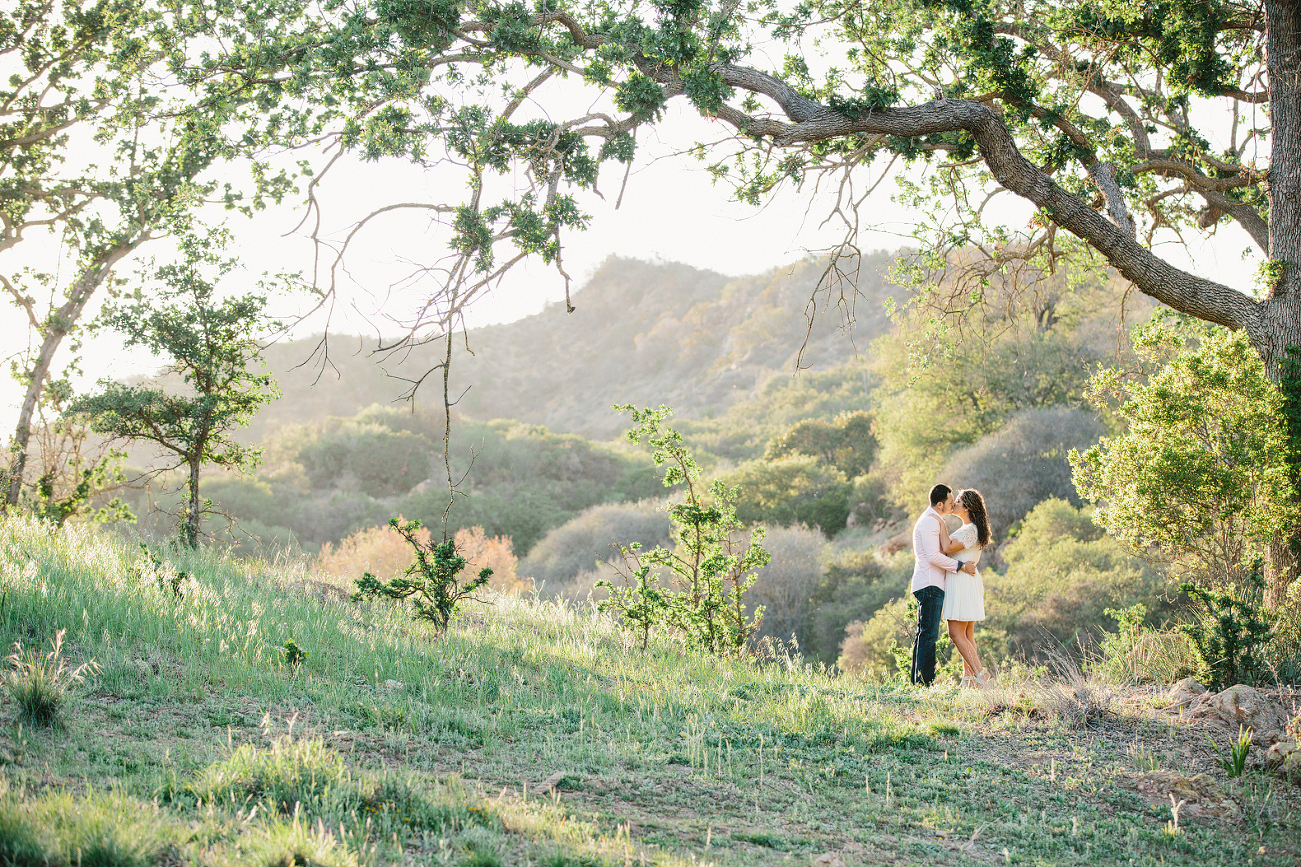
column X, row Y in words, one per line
column 1276, row 334
column 58, row 326
column 190, row 525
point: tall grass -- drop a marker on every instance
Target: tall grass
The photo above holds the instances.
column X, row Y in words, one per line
column 514, row 692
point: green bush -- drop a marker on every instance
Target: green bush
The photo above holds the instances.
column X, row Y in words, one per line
column 846, row 442
column 1062, row 575
column 794, row 490
column 367, row 457
column 1230, row 630
column 1200, row 479
column 431, row 583
column 709, row 569
column 592, row 537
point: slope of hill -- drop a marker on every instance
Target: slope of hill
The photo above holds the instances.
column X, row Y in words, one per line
column 641, row 333
column 535, row 733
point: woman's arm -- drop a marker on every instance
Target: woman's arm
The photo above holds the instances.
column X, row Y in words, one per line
column 948, row 546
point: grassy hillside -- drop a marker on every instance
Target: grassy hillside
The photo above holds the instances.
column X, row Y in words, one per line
column 534, row 733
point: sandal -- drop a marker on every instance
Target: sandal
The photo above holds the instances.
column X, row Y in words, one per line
column 982, row 680
column 967, row 681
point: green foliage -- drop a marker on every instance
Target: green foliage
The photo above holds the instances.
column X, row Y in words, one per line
column 39, row 682
column 1063, row 574
column 210, row 344
column 1230, row 632
column 1027, row 342
column 846, row 442
column 367, row 456
column 799, row 489
column 1236, row 761
column 70, row 478
column 710, row 568
column 431, row 583
column 293, row 654
column 1201, row 478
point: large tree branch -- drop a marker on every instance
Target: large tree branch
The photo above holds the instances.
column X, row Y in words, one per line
column 813, row 122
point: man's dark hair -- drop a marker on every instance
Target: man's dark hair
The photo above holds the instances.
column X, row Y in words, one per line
column 939, row 494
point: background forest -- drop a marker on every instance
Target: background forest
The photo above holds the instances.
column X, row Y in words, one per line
column 833, row 434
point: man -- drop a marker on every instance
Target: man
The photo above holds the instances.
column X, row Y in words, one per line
column 929, row 569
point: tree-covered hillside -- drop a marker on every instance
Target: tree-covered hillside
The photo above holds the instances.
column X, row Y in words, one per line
column 641, row 332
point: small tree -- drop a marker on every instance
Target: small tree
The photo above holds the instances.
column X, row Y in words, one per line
column 1201, row 478
column 1230, row 632
column 212, row 344
column 431, row 582
column 711, row 569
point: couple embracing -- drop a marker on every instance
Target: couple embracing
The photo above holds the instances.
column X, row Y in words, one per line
column 946, row 583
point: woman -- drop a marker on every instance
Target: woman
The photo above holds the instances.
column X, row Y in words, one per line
column 964, row 595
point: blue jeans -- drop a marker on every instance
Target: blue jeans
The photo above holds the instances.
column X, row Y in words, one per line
column 930, row 604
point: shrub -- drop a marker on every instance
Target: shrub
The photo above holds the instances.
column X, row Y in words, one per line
column 481, row 551
column 1230, row 632
column 1062, row 575
column 381, row 551
column 709, row 568
column 39, row 682
column 846, row 443
column 591, row 538
column 365, row 456
column 785, row 586
column 431, row 582
column 1200, row 479
column 798, row 489
column 1024, row 462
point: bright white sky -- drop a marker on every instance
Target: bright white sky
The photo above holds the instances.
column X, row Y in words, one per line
column 671, row 211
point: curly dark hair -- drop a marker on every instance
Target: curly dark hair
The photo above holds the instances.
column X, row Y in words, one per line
column 975, row 506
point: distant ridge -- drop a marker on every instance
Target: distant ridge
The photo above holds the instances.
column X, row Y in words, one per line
column 642, row 332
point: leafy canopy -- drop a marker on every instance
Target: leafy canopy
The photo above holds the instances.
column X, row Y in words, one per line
column 1200, row 478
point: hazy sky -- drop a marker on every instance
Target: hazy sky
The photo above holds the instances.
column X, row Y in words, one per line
column 670, row 211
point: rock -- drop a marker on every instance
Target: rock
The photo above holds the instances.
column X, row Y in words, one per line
column 1284, row 759
column 1198, row 796
column 394, row 684
column 828, row 859
column 1240, row 707
column 549, row 783
column 1185, row 692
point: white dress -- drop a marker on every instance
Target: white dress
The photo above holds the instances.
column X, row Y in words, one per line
column 964, row 595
